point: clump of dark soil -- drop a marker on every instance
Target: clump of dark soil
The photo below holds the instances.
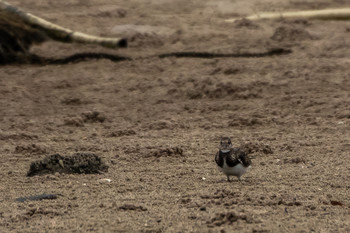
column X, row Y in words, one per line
column 338, row 203
column 80, row 163
column 132, row 207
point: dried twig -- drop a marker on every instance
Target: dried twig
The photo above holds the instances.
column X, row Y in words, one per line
column 326, row 14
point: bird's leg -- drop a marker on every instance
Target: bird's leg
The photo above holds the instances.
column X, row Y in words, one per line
column 239, row 179
column 228, row 178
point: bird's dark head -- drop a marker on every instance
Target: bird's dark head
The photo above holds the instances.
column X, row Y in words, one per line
column 225, row 144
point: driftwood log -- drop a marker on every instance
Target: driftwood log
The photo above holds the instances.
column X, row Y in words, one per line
column 326, row 14
column 19, row 30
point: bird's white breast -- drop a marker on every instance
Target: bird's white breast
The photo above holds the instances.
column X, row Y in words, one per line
column 237, row 170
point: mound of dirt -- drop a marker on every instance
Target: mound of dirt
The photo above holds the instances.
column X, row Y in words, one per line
column 81, row 163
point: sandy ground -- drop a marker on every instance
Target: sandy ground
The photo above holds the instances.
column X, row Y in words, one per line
column 164, row 118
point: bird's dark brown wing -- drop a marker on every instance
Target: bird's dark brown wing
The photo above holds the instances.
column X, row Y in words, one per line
column 219, row 159
column 244, row 158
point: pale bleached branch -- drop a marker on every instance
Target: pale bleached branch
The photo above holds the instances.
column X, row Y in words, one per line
column 326, row 14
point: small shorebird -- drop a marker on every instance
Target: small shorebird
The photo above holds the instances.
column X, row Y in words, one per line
column 232, row 161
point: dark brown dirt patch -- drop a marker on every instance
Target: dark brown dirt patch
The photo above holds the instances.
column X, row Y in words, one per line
column 81, row 163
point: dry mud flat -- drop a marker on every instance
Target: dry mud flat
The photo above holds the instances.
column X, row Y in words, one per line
column 156, row 122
